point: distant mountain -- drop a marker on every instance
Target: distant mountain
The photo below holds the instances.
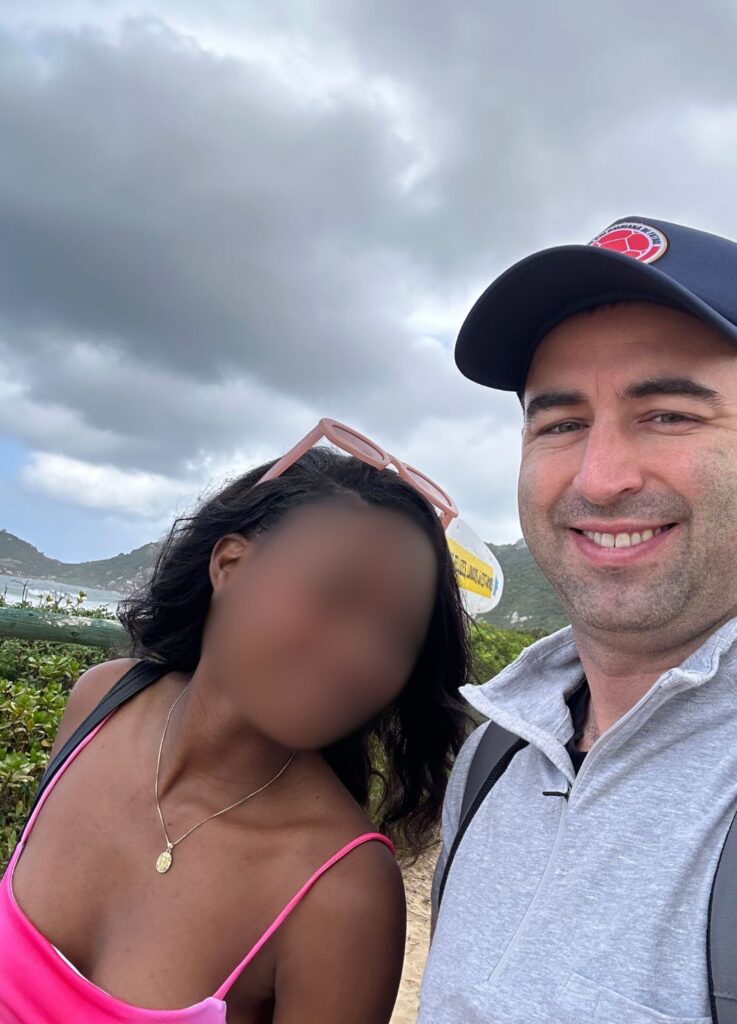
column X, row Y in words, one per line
column 123, row 572
column 528, row 601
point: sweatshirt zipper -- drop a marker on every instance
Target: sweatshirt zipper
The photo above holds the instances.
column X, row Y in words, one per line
column 601, row 743
column 538, row 892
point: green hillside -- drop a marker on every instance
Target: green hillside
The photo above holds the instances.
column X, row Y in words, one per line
column 123, row 572
column 528, row 601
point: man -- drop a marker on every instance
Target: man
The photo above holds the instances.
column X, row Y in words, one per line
column 580, row 890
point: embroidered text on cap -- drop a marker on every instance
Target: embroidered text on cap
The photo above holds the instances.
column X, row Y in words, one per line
column 642, row 242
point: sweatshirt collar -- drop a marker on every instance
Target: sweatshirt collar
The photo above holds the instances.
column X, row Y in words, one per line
column 529, row 697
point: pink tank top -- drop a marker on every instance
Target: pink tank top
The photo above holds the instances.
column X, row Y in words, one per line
column 39, row 986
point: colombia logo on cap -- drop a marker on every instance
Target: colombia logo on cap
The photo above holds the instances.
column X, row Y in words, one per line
column 642, row 242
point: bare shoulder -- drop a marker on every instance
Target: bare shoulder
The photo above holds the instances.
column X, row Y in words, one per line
column 367, row 880
column 359, row 904
column 341, row 956
column 86, row 693
column 365, row 885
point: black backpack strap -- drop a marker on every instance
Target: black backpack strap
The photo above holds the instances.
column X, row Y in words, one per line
column 143, row 674
column 721, row 939
column 493, row 755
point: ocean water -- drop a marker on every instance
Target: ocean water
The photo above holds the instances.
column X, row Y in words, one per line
column 12, row 588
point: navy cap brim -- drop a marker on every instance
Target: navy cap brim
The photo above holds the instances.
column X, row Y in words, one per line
column 501, row 332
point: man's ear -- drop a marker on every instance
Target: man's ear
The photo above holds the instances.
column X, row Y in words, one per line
column 227, row 553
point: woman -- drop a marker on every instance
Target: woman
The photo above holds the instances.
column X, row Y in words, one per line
column 297, row 631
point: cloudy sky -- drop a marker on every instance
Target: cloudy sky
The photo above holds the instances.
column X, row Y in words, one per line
column 220, row 221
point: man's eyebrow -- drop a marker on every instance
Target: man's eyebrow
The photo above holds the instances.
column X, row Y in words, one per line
column 651, row 387
column 680, row 387
column 552, row 400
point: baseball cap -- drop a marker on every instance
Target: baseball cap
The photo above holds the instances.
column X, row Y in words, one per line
column 635, row 259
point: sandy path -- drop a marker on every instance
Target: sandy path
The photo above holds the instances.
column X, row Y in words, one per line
column 417, row 881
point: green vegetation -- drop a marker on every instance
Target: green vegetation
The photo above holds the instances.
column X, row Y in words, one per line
column 528, row 601
column 35, row 679
column 123, row 572
column 494, row 649
column 60, row 603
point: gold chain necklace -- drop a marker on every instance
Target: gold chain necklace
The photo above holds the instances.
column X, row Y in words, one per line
column 164, row 860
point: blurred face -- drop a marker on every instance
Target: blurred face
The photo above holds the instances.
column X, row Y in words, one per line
column 321, row 620
column 628, row 484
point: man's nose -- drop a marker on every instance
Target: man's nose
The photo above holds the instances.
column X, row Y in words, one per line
column 610, row 465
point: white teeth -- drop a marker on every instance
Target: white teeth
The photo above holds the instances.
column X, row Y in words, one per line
column 622, row 540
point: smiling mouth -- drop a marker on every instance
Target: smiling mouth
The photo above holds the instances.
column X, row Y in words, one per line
column 624, row 540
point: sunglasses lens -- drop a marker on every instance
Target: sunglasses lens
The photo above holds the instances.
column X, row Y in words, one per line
column 357, row 444
column 428, row 488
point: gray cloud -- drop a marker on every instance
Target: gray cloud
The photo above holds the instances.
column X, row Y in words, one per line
column 552, row 119
column 216, row 225
column 174, row 204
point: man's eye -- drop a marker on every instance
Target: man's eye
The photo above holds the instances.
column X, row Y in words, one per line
column 667, row 418
column 566, row 427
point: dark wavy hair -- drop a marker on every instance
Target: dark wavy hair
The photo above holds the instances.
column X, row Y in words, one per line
column 396, row 765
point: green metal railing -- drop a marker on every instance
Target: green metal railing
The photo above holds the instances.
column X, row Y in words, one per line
column 58, row 627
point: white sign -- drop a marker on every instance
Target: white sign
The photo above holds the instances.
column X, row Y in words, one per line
column 479, row 574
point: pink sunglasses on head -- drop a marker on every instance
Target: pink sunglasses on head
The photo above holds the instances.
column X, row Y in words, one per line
column 369, row 451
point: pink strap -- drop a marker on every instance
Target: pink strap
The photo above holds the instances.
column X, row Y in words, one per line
column 367, row 837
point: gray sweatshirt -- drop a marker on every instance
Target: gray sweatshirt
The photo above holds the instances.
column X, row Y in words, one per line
column 591, row 910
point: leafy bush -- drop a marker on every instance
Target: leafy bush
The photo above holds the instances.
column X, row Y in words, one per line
column 39, row 661
column 494, row 649
column 35, row 679
column 29, row 718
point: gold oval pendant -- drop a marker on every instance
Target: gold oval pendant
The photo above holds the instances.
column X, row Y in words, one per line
column 163, row 862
